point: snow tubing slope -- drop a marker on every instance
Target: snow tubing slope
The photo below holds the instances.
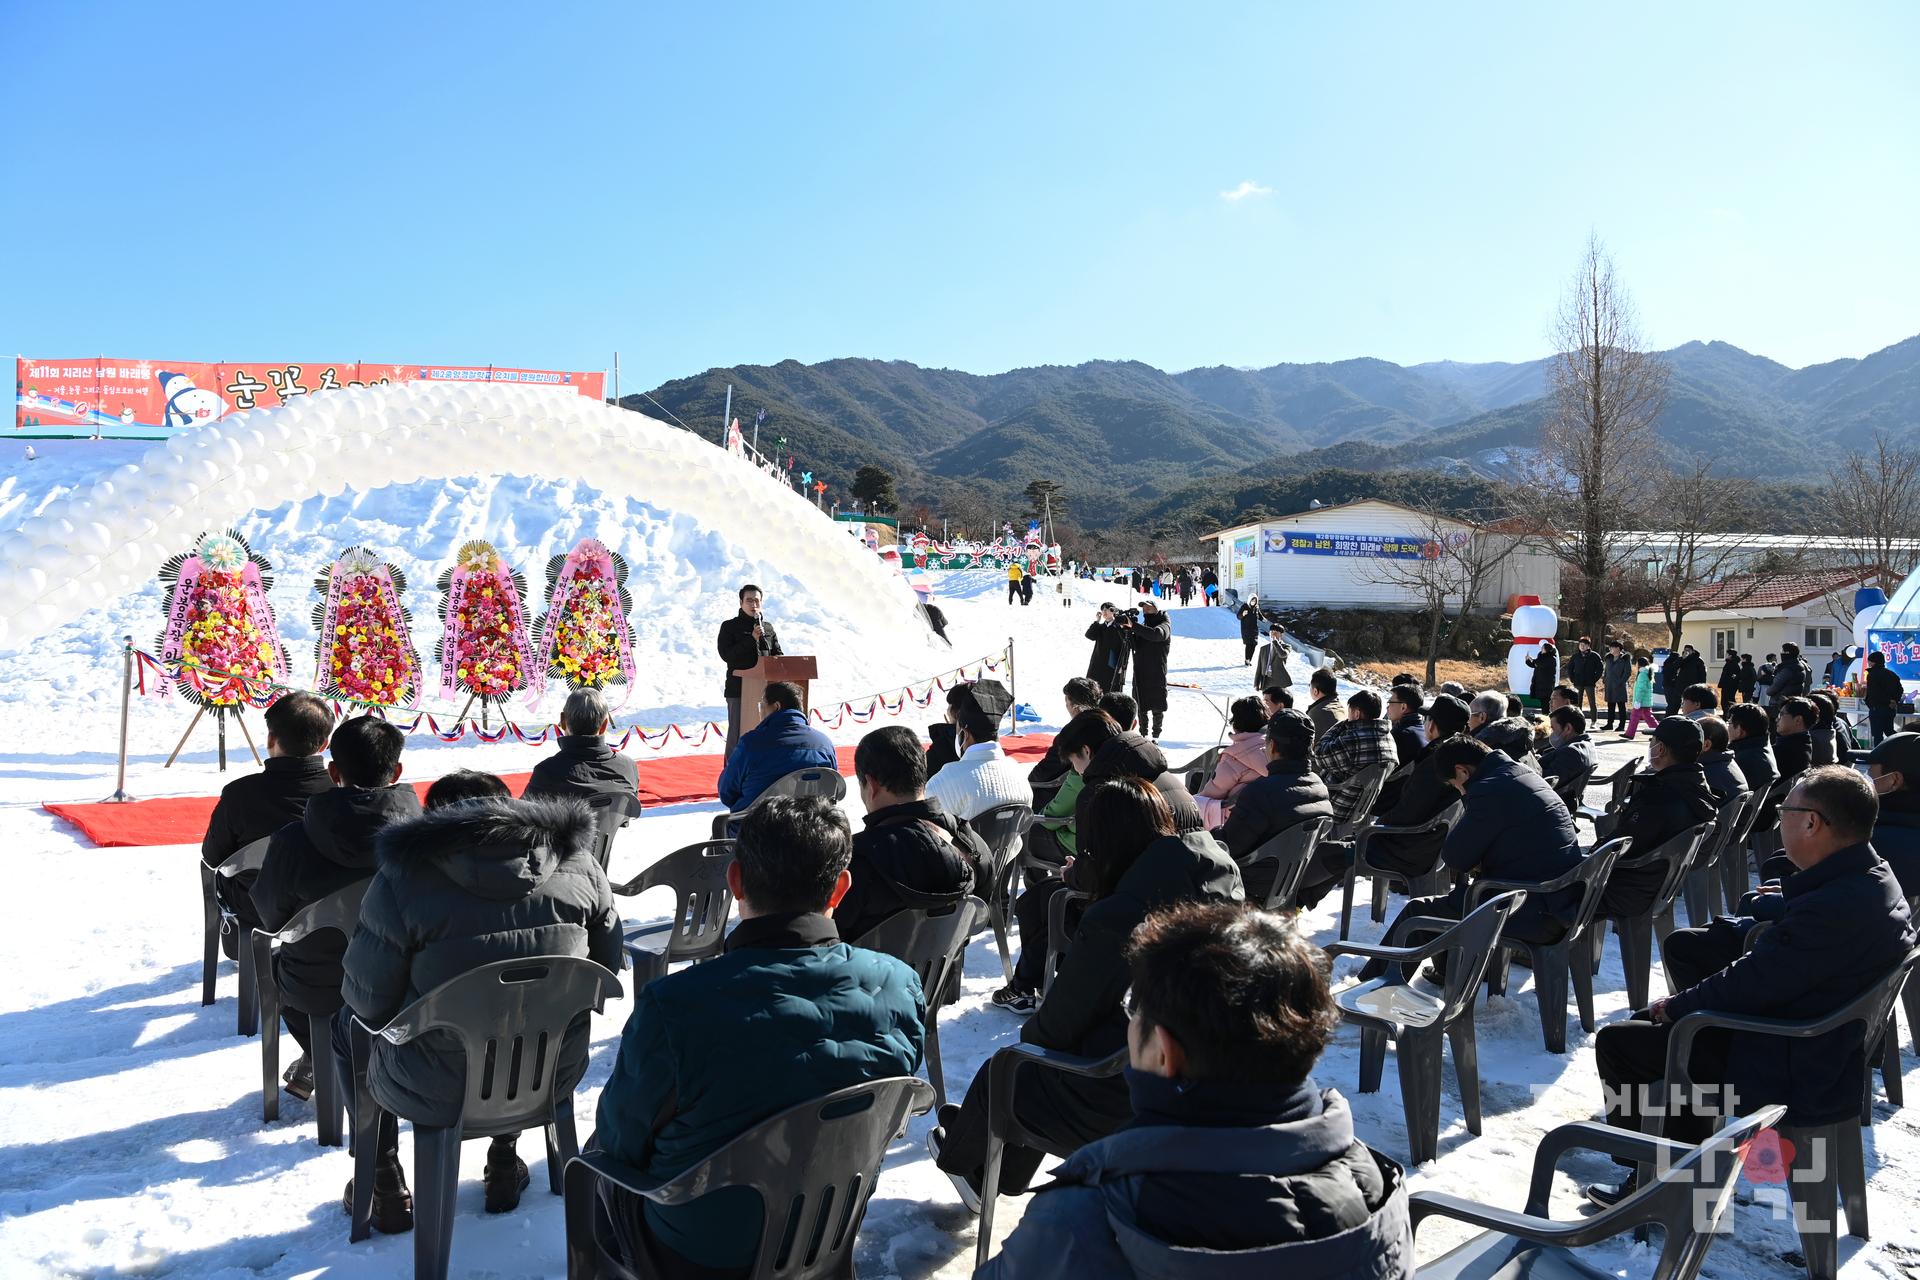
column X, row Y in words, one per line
column 106, row 538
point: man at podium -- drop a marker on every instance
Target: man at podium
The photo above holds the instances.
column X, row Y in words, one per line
column 744, row 639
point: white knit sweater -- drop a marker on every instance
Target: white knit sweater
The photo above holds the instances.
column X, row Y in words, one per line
column 981, row 779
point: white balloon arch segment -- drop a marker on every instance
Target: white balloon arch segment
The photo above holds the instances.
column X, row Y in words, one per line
column 102, row 541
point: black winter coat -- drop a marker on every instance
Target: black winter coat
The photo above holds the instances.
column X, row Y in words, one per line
column 259, row 804
column 1659, row 807
column 1249, row 622
column 1883, row 688
column 1324, row 717
column 914, row 855
column 739, row 650
column 1693, row 670
column 1757, row 765
column 1792, row 678
column 1423, row 797
column 1724, row 776
column 1619, row 678
column 1564, row 761
column 1513, row 827
column 1729, row 683
column 1585, row 668
column 1546, row 672
column 1289, row 795
column 331, row 847
column 585, row 767
column 1896, row 837
column 1409, row 741
column 462, row 886
column 1108, row 665
column 1511, row 735
column 1793, row 752
column 1749, row 679
column 1150, row 640
column 1131, row 756
column 1845, row 925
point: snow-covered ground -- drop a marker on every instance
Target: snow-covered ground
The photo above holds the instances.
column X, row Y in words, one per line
column 129, row 1114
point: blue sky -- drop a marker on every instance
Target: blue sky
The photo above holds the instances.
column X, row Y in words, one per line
column 980, row 186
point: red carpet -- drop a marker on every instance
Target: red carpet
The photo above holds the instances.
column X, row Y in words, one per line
column 183, row 819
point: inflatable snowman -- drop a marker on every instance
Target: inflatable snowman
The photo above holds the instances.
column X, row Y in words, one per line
column 1533, row 625
column 1868, row 604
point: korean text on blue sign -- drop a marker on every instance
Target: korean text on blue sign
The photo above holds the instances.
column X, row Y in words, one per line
column 1375, row 545
column 1902, row 649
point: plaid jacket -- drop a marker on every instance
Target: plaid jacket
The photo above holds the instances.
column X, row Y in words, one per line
column 1343, row 751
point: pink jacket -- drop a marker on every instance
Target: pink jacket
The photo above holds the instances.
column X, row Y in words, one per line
column 1244, row 760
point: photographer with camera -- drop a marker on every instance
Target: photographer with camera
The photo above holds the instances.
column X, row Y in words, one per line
column 1149, row 639
column 1108, row 665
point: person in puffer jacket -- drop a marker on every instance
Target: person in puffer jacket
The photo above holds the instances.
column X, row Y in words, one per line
column 1235, row 1164
column 467, row 884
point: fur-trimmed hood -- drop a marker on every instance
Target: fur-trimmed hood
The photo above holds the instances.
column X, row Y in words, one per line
column 499, row 849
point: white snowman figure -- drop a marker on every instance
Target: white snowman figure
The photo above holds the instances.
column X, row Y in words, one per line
column 188, row 405
column 1868, row 604
column 1533, row 625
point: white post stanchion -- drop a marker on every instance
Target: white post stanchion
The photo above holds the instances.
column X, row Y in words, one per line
column 120, row 795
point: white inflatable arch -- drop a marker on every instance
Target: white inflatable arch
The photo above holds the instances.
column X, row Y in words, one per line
column 102, row 541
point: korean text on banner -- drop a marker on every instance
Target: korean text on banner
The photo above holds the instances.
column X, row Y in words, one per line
column 149, row 399
column 1386, row 546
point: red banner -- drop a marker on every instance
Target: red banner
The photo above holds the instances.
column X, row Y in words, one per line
column 152, row 399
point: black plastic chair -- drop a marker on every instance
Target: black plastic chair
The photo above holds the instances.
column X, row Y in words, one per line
column 814, row 1167
column 1764, row 841
column 1638, row 933
column 1002, row 828
column 1369, row 782
column 510, row 1018
column 1058, row 935
column 1687, row 1202
column 697, row 874
column 1702, row 890
column 1828, row 1157
column 1292, row 852
column 1554, row 963
column 1003, row 1122
column 339, row 911
column 1198, row 771
column 220, row 921
column 1419, row 1019
column 931, row 941
column 802, row 784
column 1429, row 882
column 610, row 813
column 1619, row 782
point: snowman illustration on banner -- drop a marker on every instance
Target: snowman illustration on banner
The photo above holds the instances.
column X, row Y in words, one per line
column 1533, row 625
column 188, row 405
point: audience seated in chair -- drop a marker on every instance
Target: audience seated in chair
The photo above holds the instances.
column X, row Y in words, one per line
column 1407, row 716
column 1569, row 750
column 911, row 853
column 983, row 777
column 1839, row 924
column 1747, row 739
column 1080, row 694
column 1119, row 752
column 478, row 878
column 1489, row 721
column 1290, row 794
column 1423, row 796
column 1341, row 753
column 1894, row 767
column 1793, row 722
column 1274, row 698
column 328, row 849
column 789, row 1012
column 1122, row 708
column 256, row 806
column 781, row 744
column 1132, row 862
column 584, row 766
column 1698, row 700
column 1722, row 771
column 1322, row 711
column 1667, row 799
column 1512, row 827
column 1235, row 1162
column 1243, row 760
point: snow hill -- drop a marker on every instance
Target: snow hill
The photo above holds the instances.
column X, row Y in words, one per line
column 130, row 1115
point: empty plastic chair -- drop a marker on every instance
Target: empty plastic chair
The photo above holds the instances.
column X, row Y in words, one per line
column 1368, row 783
column 339, row 911
column 1002, row 828
column 1419, row 1017
column 1687, row 1202
column 1003, row 1122
column 1828, row 1158
column 931, row 941
column 510, row 1018
column 1638, row 933
column 610, row 813
column 801, row 784
column 1426, row 883
column 219, row 921
column 697, row 874
column 1198, row 771
column 1702, row 889
column 1619, row 782
column 1291, row 852
column 1571, row 957
column 814, row 1167
column 1058, row 935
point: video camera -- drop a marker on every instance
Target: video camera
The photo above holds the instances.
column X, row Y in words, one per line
column 1126, row 617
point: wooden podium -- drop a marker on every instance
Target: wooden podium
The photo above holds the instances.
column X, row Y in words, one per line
column 771, row 670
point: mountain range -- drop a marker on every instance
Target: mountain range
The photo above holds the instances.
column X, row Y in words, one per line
column 1135, row 445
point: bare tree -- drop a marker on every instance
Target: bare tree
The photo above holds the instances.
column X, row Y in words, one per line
column 1873, row 504
column 1458, row 556
column 1599, row 457
column 1699, row 512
